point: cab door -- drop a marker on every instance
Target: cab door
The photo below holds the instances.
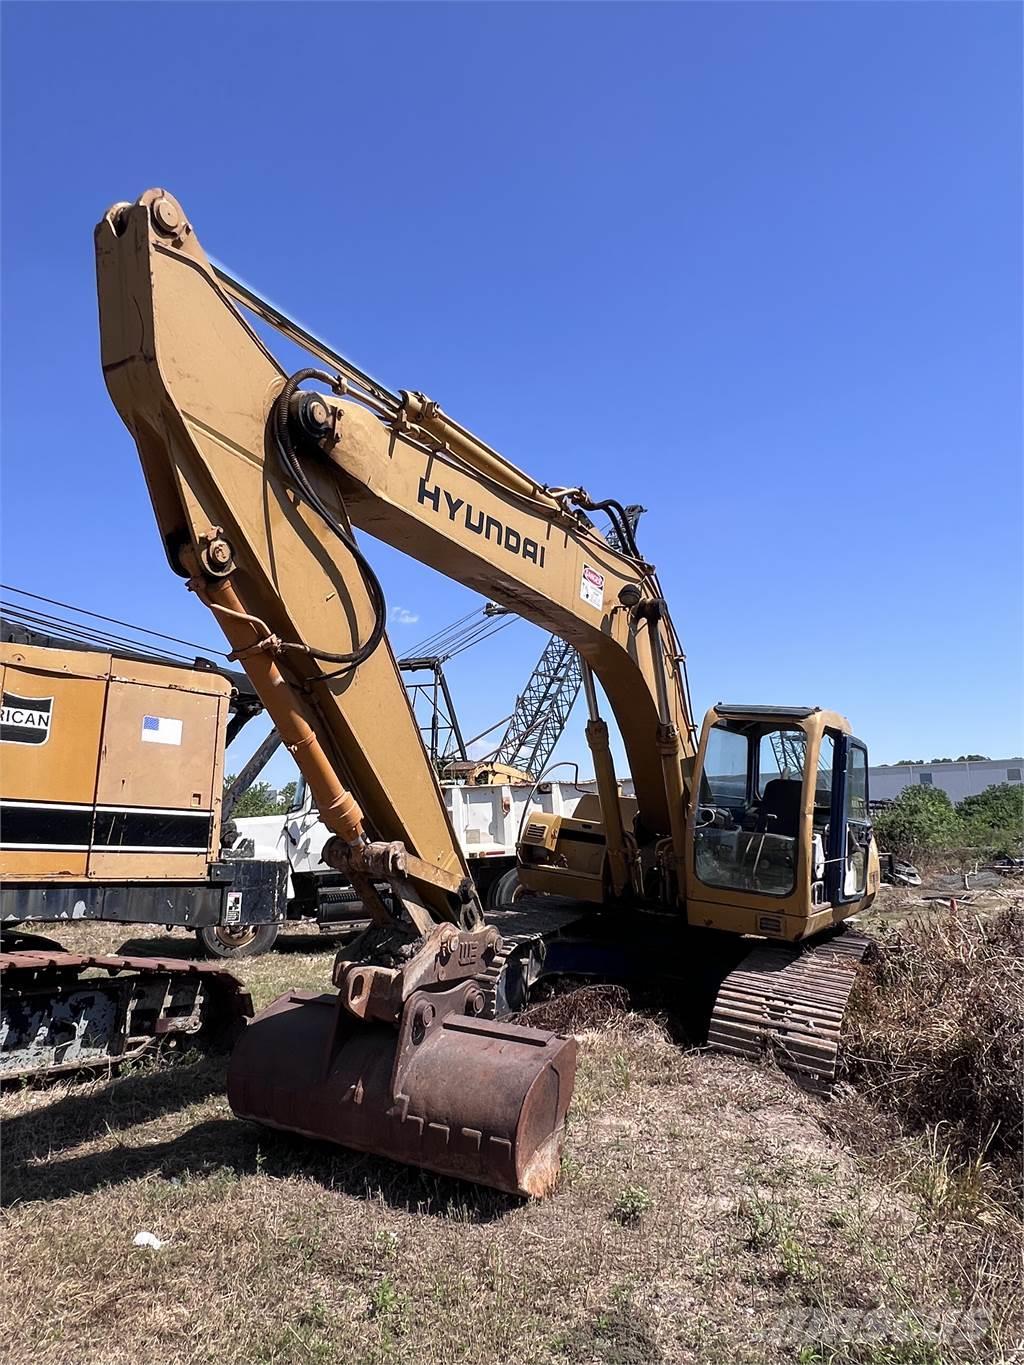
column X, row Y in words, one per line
column 848, row 854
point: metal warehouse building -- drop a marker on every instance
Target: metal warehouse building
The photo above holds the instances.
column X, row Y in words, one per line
column 957, row 780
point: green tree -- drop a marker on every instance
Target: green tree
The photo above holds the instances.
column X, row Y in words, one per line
column 994, row 819
column 920, row 820
column 260, row 799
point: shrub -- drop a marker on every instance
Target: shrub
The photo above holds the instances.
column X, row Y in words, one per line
column 994, row 819
column 631, row 1205
column 920, row 820
column 937, row 1032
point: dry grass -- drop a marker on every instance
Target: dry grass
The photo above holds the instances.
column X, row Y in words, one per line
column 704, row 1215
column 565, row 1009
column 936, row 1034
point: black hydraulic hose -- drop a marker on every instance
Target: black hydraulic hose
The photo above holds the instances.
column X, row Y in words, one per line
column 296, row 476
column 617, row 514
column 628, row 529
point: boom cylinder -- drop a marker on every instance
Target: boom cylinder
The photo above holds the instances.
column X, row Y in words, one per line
column 426, row 414
column 607, row 787
column 338, row 808
column 669, row 747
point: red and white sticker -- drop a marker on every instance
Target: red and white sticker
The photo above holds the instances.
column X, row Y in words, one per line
column 592, row 587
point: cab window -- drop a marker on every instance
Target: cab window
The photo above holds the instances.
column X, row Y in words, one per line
column 857, row 822
column 857, row 784
column 748, row 827
column 725, row 768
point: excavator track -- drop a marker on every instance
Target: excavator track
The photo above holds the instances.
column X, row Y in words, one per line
column 524, row 927
column 787, row 1001
column 64, row 1012
column 783, row 1000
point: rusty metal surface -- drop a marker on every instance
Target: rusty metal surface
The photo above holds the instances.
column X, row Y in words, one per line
column 448, row 1091
column 379, row 971
column 44, row 959
column 65, row 1012
column 788, row 1002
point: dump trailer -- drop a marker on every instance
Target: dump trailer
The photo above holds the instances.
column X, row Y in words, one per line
column 742, row 855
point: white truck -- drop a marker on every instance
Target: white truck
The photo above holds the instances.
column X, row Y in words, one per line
column 486, row 819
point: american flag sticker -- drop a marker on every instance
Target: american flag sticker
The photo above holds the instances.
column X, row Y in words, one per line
column 160, row 730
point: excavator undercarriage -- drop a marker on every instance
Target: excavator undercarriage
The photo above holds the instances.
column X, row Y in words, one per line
column 741, row 996
column 745, row 838
column 66, row 1012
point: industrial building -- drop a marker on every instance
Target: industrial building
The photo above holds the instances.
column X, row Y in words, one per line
column 957, row 780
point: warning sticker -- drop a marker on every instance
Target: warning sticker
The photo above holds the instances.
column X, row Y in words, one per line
column 592, row 587
column 160, row 730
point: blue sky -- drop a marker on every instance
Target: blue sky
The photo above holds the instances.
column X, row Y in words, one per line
column 757, row 267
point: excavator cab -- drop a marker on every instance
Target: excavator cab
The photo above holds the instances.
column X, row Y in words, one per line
column 778, row 840
column 779, row 832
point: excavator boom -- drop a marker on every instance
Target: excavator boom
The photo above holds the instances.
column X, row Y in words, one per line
column 260, row 481
column 263, row 535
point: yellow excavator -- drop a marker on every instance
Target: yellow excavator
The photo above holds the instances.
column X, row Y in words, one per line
column 740, row 855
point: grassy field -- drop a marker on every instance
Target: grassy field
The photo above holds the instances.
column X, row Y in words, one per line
column 709, row 1211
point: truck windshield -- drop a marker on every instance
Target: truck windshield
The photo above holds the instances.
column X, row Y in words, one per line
column 748, row 827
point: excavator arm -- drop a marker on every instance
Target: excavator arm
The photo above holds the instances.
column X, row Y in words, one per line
column 195, row 386
column 258, row 482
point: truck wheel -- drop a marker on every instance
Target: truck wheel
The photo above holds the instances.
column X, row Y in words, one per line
column 506, row 890
column 245, row 940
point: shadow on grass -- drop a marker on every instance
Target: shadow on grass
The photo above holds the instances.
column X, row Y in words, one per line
column 95, row 1108
column 214, row 1147
column 187, row 949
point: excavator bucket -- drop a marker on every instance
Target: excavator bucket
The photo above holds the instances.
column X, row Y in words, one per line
column 461, row 1096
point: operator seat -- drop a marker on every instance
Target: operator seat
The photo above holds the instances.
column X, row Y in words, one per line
column 780, row 808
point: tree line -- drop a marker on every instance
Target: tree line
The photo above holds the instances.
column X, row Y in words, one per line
column 924, row 820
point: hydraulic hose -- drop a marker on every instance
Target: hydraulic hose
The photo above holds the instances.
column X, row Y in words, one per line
column 296, row 477
column 617, row 515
